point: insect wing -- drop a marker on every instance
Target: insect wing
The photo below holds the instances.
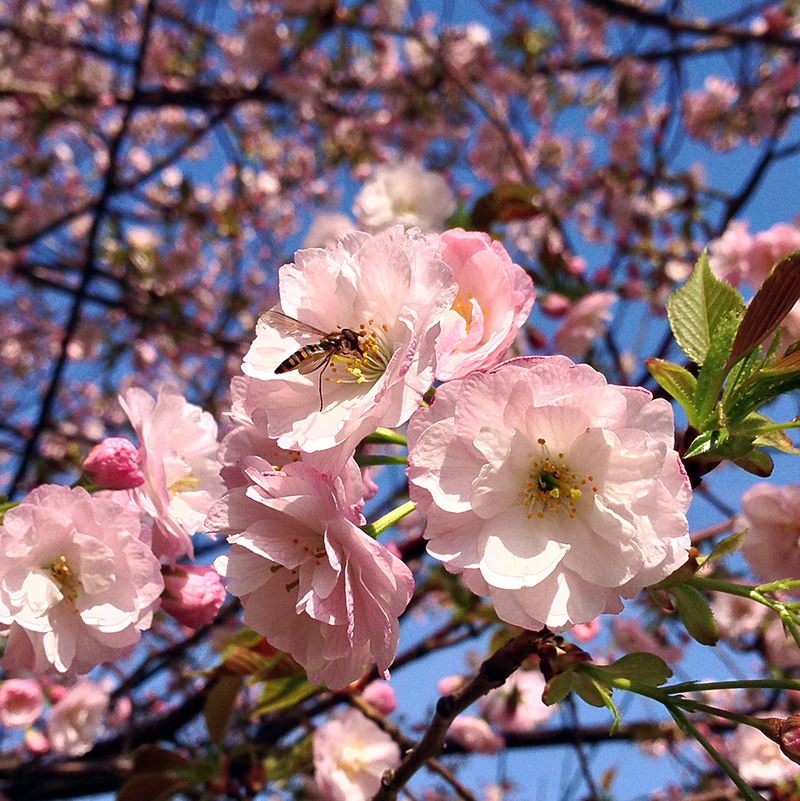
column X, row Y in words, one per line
column 288, row 326
column 314, row 362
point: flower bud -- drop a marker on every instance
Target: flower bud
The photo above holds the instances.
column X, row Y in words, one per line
column 785, row 732
column 115, row 464
column 475, row 735
column 20, row 702
column 193, row 594
column 381, row 696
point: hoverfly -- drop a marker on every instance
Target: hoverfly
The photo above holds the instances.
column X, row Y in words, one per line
column 317, row 355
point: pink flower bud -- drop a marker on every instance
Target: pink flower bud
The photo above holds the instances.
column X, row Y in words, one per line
column 583, row 632
column 193, row 594
column 20, row 702
column 475, row 734
column 381, row 696
column 555, row 305
column 114, row 464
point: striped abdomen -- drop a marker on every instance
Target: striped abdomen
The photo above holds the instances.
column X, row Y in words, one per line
column 300, row 357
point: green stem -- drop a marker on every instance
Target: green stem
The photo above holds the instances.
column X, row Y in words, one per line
column 687, row 726
column 389, row 519
column 744, row 684
column 385, row 436
column 379, row 459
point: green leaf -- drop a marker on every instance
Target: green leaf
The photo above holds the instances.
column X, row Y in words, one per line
column 725, row 547
column 676, row 380
column 773, row 301
column 219, row 704
column 712, row 374
column 695, row 614
column 779, row 378
column 696, row 309
column 702, row 444
column 756, row 462
column 282, row 693
column 558, row 688
column 505, row 203
column 641, row 667
column 589, row 690
column 777, row 440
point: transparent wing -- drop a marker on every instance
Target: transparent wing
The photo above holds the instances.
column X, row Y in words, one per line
column 314, row 362
column 288, row 326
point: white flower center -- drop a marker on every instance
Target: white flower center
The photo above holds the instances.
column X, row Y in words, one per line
column 552, row 487
column 369, row 365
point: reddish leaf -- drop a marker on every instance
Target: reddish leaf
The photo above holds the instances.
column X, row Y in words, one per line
column 771, row 304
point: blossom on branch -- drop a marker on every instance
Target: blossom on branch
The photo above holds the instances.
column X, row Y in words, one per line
column 393, row 290
column 310, row 580
column 351, row 755
column 75, row 720
column 178, row 447
column 20, row 702
column 407, row 194
column 549, row 490
column 494, row 299
column 77, row 583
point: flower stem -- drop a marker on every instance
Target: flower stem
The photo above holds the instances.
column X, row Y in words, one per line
column 385, row 436
column 379, row 459
column 389, row 519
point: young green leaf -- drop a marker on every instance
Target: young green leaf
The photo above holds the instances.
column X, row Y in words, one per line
column 640, row 667
column 558, row 688
column 712, row 374
column 676, row 380
column 219, row 704
column 695, row 614
column 696, row 309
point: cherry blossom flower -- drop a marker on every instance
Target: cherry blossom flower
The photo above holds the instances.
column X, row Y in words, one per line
column 758, row 760
column 193, row 594
column 351, row 755
column 475, row 735
column 549, row 490
column 77, row 583
column 631, row 636
column 326, row 228
column 407, row 194
column 770, row 246
column 730, row 255
column 393, row 290
column 74, row 722
column 494, row 299
column 115, row 464
column 771, row 516
column 20, row 702
column 737, row 616
column 178, row 445
column 583, row 323
column 517, row 706
column 310, row 579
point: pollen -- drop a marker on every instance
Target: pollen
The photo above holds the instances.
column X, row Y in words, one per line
column 552, row 488
column 63, row 575
column 368, row 364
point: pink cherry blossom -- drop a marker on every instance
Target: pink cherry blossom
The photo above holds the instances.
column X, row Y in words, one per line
column 517, row 706
column 769, row 247
column 549, row 490
column 75, row 721
column 407, row 194
column 631, row 636
column 737, row 616
column 178, row 445
column 730, row 256
column 771, row 516
column 583, row 632
column 380, row 694
column 474, row 734
column 193, row 594
column 351, row 754
column 20, row 702
column 758, row 760
column 115, row 464
column 326, row 228
column 493, row 301
column 77, row 583
column 310, row 579
column 392, row 288
column 583, row 323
